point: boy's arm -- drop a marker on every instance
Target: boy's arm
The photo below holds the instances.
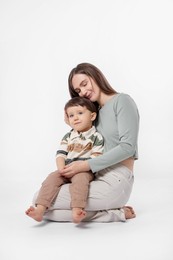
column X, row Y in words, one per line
column 98, row 146
column 62, row 152
column 60, row 163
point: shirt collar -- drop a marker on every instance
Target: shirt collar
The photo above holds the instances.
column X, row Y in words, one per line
column 85, row 134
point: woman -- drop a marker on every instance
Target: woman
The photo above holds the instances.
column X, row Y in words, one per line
column 118, row 123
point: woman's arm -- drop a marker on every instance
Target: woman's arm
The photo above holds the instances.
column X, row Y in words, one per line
column 127, row 126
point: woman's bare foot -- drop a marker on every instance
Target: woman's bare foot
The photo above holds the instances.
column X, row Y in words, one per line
column 129, row 212
column 78, row 215
column 35, row 213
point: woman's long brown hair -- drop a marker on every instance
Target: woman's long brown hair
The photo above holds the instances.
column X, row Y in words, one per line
column 94, row 73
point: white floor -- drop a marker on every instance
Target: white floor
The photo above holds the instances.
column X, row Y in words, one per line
column 148, row 237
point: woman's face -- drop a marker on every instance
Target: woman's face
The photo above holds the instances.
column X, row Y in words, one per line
column 85, row 86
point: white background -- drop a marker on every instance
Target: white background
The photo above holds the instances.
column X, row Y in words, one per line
column 40, row 42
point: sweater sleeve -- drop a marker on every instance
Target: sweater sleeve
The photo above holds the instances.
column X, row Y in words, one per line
column 127, row 125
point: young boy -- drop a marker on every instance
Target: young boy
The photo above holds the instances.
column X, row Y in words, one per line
column 81, row 143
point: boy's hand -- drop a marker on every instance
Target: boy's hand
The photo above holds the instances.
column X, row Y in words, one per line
column 74, row 168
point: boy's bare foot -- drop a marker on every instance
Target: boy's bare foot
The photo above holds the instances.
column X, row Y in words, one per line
column 129, row 212
column 78, row 215
column 35, row 213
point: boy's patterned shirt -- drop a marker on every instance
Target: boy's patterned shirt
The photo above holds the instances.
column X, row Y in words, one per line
column 81, row 146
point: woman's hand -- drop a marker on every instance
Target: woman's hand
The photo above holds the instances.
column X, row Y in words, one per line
column 73, row 168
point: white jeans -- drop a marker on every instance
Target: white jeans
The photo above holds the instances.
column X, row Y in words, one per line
column 108, row 193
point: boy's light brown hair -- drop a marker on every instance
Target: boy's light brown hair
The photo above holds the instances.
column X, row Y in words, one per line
column 80, row 101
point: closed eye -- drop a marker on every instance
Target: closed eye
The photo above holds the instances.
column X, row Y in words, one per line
column 77, row 90
column 82, row 84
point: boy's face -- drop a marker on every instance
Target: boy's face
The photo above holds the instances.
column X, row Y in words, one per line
column 80, row 118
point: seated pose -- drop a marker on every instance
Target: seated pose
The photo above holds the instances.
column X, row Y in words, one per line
column 118, row 123
column 81, row 143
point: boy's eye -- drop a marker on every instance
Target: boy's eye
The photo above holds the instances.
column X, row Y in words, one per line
column 80, row 113
column 70, row 116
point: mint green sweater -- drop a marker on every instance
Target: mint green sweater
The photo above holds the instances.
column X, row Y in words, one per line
column 118, row 123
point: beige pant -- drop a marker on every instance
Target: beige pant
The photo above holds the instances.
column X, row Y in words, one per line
column 109, row 192
column 78, row 188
